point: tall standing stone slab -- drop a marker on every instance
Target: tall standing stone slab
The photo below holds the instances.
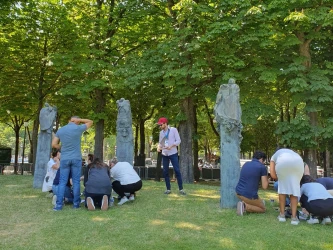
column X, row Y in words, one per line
column 47, row 117
column 125, row 150
column 228, row 114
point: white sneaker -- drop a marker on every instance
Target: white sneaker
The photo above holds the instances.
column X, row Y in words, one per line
column 240, row 208
column 281, row 218
column 122, row 201
column 294, row 221
column 131, row 198
column 313, row 220
column 90, row 204
column 54, row 200
column 105, row 203
column 326, row 221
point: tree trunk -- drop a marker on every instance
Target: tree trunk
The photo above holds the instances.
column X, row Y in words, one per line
column 142, row 137
column 136, row 145
column 196, row 170
column 310, row 154
column 99, row 126
column 17, row 143
column 158, row 167
column 185, row 132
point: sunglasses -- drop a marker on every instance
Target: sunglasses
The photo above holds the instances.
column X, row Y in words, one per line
column 160, row 125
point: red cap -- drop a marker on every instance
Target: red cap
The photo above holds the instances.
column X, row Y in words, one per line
column 162, row 120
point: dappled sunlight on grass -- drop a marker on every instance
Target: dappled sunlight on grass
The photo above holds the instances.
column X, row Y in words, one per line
column 327, row 246
column 97, row 219
column 9, row 231
column 12, row 186
column 227, row 243
column 210, row 195
column 187, row 225
column 158, row 222
column 26, row 196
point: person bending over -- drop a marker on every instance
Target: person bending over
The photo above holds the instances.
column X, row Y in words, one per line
column 126, row 180
column 316, row 200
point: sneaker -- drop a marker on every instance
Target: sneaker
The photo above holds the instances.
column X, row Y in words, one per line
column 302, row 216
column 57, row 209
column 131, row 198
column 90, row 204
column 326, row 221
column 54, row 200
column 281, row 218
column 167, row 192
column 111, row 201
column 294, row 221
column 83, row 201
column 122, row 201
column 105, row 203
column 182, row 192
column 240, row 208
column 313, row 220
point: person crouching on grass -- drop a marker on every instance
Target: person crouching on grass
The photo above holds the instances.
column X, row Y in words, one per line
column 97, row 185
column 247, row 188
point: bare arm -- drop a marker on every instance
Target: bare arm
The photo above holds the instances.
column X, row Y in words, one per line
column 88, row 122
column 56, row 165
column 272, row 170
column 306, row 169
column 264, row 182
column 55, row 143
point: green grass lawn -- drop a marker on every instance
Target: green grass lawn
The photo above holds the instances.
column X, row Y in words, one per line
column 152, row 221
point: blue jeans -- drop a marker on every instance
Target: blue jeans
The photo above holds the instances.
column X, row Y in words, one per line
column 174, row 160
column 276, row 187
column 68, row 193
column 67, row 167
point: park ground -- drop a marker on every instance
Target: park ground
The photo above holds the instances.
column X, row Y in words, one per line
column 152, row 221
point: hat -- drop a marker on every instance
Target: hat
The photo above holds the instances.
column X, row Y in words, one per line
column 162, row 120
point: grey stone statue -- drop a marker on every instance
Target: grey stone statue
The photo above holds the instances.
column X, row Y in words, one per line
column 124, row 140
column 47, row 118
column 228, row 114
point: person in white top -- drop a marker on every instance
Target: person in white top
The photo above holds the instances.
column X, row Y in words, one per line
column 126, row 180
column 54, row 162
column 168, row 142
column 316, row 200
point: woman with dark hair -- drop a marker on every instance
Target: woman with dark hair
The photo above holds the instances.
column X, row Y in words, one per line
column 97, row 185
column 316, row 200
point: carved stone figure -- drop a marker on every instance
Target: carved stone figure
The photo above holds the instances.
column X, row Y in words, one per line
column 228, row 114
column 47, row 117
column 124, row 140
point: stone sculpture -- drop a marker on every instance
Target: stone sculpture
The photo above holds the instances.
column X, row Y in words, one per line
column 47, row 118
column 124, row 140
column 228, row 114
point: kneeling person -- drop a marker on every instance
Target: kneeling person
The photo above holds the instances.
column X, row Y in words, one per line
column 97, row 185
column 247, row 188
column 126, row 180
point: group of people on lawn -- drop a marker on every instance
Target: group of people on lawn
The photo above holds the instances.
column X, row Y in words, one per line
column 99, row 178
column 294, row 184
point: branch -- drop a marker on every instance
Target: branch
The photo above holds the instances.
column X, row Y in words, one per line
column 211, row 120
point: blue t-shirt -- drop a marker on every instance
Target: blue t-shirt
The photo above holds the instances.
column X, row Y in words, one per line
column 70, row 138
column 249, row 179
column 327, row 182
